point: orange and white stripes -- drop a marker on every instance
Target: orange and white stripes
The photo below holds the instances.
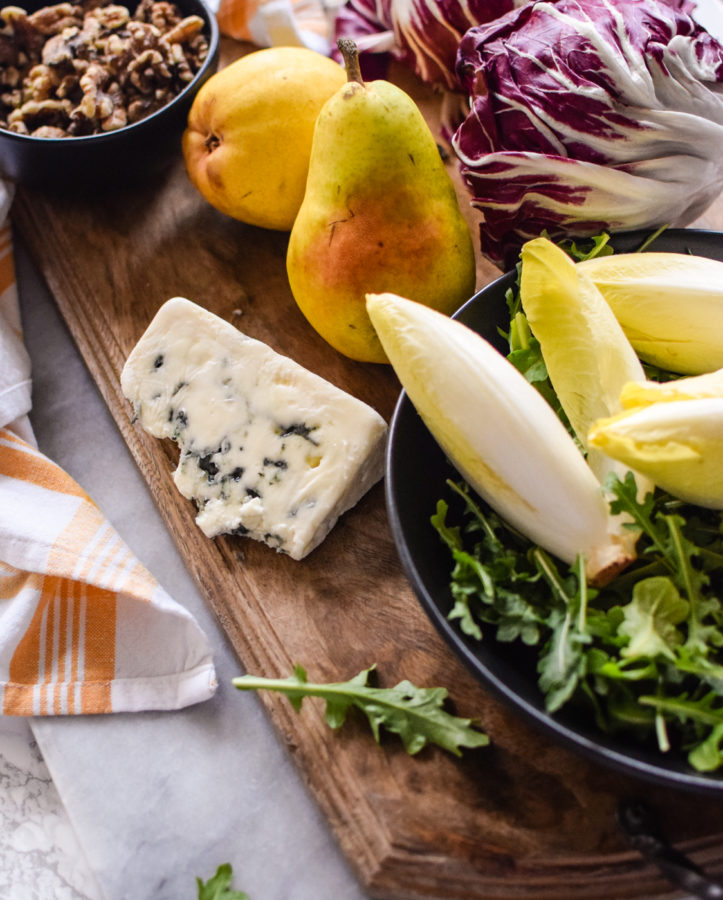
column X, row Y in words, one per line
column 269, row 23
column 64, row 662
column 84, row 627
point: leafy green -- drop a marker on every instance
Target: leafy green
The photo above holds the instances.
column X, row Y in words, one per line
column 650, row 238
column 562, row 661
column 666, row 532
column 592, row 247
column 414, row 713
column 651, row 617
column 706, row 756
column 644, row 655
column 219, row 886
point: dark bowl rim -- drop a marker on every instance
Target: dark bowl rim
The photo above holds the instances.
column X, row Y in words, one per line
column 628, row 763
column 214, row 40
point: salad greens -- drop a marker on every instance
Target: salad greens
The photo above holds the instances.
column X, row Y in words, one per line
column 219, row 886
column 414, row 713
column 644, row 654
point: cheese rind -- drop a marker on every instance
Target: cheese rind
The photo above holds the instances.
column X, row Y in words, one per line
column 268, row 449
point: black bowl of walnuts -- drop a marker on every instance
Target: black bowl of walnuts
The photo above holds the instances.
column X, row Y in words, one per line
column 97, row 93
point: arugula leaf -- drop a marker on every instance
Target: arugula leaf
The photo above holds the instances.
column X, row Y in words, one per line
column 666, row 532
column 645, row 653
column 625, row 501
column 599, row 245
column 621, row 651
column 708, row 755
column 562, row 662
column 701, row 713
column 650, row 238
column 651, row 617
column 492, row 583
column 219, row 886
column 414, row 713
column 469, row 576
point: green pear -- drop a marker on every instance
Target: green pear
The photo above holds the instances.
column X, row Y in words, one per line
column 380, row 213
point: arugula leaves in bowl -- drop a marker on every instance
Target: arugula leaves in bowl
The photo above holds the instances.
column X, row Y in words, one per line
column 629, row 673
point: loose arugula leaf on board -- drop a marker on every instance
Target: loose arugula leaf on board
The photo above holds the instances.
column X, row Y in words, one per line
column 414, row 713
column 219, row 886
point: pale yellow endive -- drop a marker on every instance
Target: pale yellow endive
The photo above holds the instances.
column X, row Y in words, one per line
column 501, row 435
column 586, row 352
column 693, row 387
column 670, row 306
column 678, row 444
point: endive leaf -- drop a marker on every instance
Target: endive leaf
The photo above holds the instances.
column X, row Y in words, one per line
column 587, row 355
column 677, row 444
column 500, row 434
column 694, row 387
column 670, row 305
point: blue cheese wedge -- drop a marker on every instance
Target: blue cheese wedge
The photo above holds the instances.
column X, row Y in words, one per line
column 268, row 449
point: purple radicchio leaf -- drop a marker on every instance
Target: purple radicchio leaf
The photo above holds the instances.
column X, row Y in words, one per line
column 422, row 34
column 588, row 115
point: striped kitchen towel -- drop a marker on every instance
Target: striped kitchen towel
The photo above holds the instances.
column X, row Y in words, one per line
column 84, row 627
column 275, row 23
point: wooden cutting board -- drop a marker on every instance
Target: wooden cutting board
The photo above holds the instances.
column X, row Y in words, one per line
column 522, row 818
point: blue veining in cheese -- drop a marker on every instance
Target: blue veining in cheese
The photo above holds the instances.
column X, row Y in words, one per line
column 267, row 448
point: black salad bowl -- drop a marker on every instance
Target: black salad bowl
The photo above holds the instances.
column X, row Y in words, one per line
column 117, row 159
column 415, row 481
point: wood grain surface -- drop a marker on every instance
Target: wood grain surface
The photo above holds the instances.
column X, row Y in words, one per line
column 522, row 818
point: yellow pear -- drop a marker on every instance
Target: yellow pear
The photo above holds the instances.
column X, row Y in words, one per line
column 380, row 213
column 248, row 138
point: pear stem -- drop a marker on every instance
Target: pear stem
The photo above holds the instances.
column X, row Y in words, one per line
column 350, row 52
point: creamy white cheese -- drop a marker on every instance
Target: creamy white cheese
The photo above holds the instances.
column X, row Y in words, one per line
column 268, row 449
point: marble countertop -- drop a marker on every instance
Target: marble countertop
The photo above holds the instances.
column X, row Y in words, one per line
column 135, row 807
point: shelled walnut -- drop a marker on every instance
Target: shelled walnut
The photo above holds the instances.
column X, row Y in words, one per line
column 74, row 69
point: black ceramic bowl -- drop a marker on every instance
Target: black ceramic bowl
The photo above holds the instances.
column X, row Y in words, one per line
column 114, row 158
column 415, row 480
